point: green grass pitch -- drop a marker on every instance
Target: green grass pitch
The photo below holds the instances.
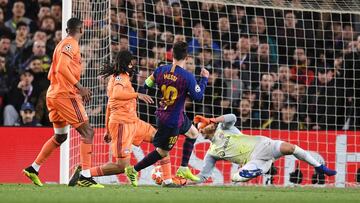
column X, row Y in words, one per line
column 124, row 193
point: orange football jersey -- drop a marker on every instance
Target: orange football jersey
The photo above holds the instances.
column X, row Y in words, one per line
column 122, row 100
column 63, row 78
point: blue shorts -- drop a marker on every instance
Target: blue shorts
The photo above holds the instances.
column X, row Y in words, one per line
column 166, row 137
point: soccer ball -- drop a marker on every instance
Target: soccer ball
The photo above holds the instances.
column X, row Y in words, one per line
column 156, row 175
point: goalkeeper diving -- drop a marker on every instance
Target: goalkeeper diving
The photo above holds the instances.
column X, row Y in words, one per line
column 254, row 153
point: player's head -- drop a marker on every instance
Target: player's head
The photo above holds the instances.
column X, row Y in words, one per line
column 74, row 26
column 123, row 64
column 208, row 131
column 180, row 51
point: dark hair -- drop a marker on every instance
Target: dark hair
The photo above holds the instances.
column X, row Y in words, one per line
column 21, row 24
column 180, row 50
column 73, row 24
column 120, row 65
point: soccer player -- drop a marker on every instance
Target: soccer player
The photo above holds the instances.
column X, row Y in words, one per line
column 255, row 153
column 123, row 127
column 64, row 100
column 175, row 83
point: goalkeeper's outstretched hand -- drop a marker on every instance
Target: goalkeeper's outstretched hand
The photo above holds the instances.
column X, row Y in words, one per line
column 203, row 121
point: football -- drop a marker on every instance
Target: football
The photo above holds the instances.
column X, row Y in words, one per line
column 156, row 175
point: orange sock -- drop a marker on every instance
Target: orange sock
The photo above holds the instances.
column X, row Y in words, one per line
column 96, row 171
column 85, row 155
column 46, row 150
column 166, row 168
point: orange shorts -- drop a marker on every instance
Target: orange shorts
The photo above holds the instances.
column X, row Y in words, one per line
column 123, row 135
column 64, row 111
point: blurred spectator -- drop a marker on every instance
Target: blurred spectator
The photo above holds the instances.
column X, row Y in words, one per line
column 288, row 119
column 5, row 42
column 22, row 40
column 27, row 113
column 284, row 74
column 245, row 119
column 48, row 25
column 225, row 36
column 242, row 60
column 233, row 84
column 38, row 51
column 56, row 12
column 277, row 102
column 289, row 37
column 43, row 11
column 21, row 93
column 190, row 64
column 152, row 36
column 213, row 95
column 266, row 85
column 146, row 112
column 18, row 12
column 201, row 39
column 323, row 105
column 97, row 110
column 41, row 83
column 300, row 71
column 258, row 27
column 206, row 60
column 261, row 64
column 5, row 83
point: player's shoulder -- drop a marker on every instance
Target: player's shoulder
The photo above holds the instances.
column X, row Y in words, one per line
column 69, row 44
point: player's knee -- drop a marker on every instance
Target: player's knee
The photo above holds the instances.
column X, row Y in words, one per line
column 287, row 148
column 60, row 138
column 89, row 133
column 163, row 153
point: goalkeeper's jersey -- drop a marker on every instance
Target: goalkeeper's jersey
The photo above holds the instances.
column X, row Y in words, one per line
column 230, row 144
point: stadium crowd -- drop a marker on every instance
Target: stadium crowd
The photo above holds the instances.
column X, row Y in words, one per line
column 276, row 69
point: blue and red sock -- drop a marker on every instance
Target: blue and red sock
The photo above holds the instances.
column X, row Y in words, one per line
column 188, row 147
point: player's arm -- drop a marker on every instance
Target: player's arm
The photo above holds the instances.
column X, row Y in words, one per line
column 149, row 82
column 119, row 93
column 207, row 168
column 63, row 68
column 227, row 120
column 195, row 90
column 107, row 137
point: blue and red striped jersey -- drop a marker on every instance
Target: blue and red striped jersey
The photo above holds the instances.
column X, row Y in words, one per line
column 175, row 84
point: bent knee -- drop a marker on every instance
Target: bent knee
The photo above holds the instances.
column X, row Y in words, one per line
column 287, row 148
column 163, row 153
column 60, row 138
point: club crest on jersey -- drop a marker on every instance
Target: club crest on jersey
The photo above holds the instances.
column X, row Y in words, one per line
column 118, row 78
column 197, row 88
column 68, row 48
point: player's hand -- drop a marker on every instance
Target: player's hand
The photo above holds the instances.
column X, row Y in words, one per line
column 107, row 137
column 146, row 98
column 203, row 121
column 204, row 73
column 85, row 94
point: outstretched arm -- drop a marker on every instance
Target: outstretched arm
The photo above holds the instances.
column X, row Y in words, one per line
column 227, row 120
column 207, row 169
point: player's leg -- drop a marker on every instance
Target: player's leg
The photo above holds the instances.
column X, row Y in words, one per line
column 121, row 137
column 73, row 112
column 61, row 129
column 164, row 139
column 251, row 170
column 286, row 148
column 191, row 133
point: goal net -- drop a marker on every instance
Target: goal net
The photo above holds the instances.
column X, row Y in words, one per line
column 288, row 69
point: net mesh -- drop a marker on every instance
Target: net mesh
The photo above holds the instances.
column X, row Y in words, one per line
column 277, row 65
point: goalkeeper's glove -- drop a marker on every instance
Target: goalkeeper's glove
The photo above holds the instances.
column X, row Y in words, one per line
column 203, row 121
